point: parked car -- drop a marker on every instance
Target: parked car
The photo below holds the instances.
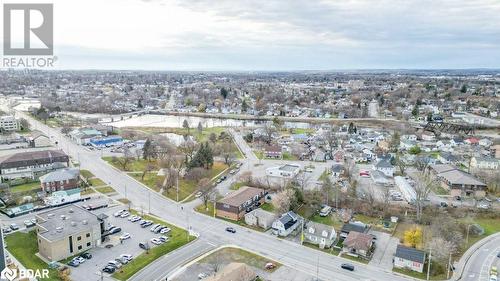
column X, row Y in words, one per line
column 125, row 236
column 230, row 229
column 114, row 264
column 73, row 263
column 156, row 241
column 126, row 256
column 7, row 230
column 163, row 239
column 125, row 214
column 270, row 266
column 114, row 230
column 109, row 269
column 79, row 259
column 154, row 227
column 119, row 213
column 28, row 223
column 347, row 266
column 165, row 230
column 14, row 226
column 86, row 256
column 121, row 260
column 198, row 194
column 144, row 246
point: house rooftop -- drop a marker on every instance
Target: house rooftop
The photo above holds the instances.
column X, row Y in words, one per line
column 240, row 196
column 289, row 167
column 410, row 254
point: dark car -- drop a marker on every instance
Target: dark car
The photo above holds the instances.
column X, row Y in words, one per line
column 109, row 269
column 114, row 230
column 498, row 255
column 86, row 256
column 230, row 229
column 347, row 266
column 144, row 246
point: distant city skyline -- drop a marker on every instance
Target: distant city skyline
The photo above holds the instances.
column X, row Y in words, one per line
column 276, row 35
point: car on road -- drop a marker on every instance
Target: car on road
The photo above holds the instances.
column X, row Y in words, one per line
column 202, row 276
column 347, row 266
column 86, row 256
column 125, row 236
column 364, row 174
column 198, row 194
column 230, row 229
column 14, row 226
column 233, row 171
column 270, row 266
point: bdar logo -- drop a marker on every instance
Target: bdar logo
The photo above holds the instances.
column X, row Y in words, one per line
column 9, row 274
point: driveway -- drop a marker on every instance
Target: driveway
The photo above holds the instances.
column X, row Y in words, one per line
column 384, row 250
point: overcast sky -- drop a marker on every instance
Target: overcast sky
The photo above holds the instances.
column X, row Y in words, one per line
column 276, row 35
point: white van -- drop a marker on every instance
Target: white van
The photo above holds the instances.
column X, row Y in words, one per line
column 325, row 211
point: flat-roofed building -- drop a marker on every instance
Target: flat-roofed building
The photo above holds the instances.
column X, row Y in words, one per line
column 9, row 123
column 237, row 204
column 288, row 171
column 67, row 231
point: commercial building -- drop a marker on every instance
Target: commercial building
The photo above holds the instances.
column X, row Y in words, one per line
column 67, row 231
column 237, row 204
column 9, row 123
column 288, row 171
column 32, row 164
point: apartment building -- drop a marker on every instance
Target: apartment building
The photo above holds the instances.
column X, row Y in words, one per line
column 9, row 123
column 31, row 164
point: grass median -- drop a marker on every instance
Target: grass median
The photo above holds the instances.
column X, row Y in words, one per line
column 178, row 238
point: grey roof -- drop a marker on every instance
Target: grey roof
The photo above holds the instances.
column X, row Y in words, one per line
column 288, row 167
column 384, row 164
column 337, row 168
column 60, row 175
column 53, row 227
column 459, row 177
column 348, row 227
column 30, row 158
column 319, row 228
column 410, row 254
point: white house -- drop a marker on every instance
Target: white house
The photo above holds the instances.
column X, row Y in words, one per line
column 484, row 163
column 409, row 258
column 320, row 234
column 62, row 196
column 286, row 224
column 485, row 142
column 260, row 218
column 288, row 171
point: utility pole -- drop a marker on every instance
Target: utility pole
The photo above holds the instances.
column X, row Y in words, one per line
column 449, row 267
column 149, row 202
column 177, row 183
column 302, row 233
column 467, row 236
column 429, row 264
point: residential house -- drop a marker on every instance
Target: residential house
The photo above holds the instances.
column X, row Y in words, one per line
column 288, row 171
column 449, row 158
column 235, row 205
column 428, row 136
column 260, row 218
column 359, row 244
column 300, row 138
column 62, row 179
column 409, row 137
column 273, row 151
column 31, row 164
column 472, row 141
column 286, row 224
column 63, row 196
column 485, row 142
column 353, row 226
column 38, row 139
column 409, row 258
column 338, row 156
column 337, row 170
column 320, row 234
column 489, row 163
column 385, row 167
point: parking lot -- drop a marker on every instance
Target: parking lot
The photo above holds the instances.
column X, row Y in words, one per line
column 103, row 254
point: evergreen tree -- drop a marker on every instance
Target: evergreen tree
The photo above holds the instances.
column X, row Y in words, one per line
column 223, row 92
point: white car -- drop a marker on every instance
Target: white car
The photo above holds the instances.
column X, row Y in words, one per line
column 125, row 236
column 155, row 241
column 125, row 214
column 154, row 227
column 198, row 194
column 165, row 230
column 126, row 256
column 131, row 218
column 163, row 239
column 119, row 213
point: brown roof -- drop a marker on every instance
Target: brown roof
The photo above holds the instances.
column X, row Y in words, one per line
column 234, row 271
column 237, row 198
column 358, row 241
column 23, row 159
column 272, row 148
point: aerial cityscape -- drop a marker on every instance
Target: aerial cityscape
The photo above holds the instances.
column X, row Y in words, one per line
column 245, row 141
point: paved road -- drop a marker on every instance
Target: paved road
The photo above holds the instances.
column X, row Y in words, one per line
column 478, row 265
column 301, row 258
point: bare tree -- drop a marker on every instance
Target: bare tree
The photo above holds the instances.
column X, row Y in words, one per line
column 147, row 169
column 283, row 200
column 125, row 160
column 331, row 140
column 423, row 186
column 204, row 186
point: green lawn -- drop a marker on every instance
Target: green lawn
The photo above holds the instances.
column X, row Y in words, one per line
column 87, row 191
column 267, row 207
column 86, row 174
column 288, row 156
column 25, row 187
column 361, row 260
column 186, row 187
column 229, row 254
column 207, row 211
column 134, row 165
column 105, row 189
column 23, row 246
column 96, row 182
column 237, row 185
column 419, row 275
column 331, row 250
column 178, row 238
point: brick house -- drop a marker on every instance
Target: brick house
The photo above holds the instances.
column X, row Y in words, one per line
column 238, row 203
column 62, row 179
